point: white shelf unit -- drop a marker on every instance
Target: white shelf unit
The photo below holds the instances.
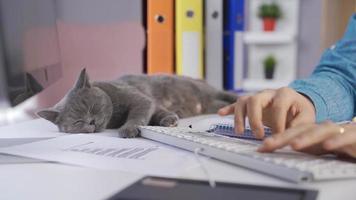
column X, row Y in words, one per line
column 259, row 38
column 281, row 43
column 257, row 84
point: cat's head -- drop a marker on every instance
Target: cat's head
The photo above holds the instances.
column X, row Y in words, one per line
column 84, row 109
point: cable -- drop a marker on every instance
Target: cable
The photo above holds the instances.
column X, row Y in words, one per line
column 206, row 172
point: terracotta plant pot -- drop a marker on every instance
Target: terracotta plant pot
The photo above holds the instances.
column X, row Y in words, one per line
column 269, row 24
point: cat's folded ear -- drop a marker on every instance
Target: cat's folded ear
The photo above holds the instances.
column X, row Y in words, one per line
column 83, row 80
column 50, row 115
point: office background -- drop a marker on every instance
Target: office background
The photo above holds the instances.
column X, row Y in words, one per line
column 108, row 38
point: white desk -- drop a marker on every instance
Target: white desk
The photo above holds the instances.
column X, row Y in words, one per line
column 57, row 181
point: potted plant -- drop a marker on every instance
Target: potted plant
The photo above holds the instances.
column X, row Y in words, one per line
column 269, row 13
column 269, row 66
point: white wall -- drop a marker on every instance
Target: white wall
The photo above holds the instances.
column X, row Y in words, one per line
column 309, row 39
column 104, row 36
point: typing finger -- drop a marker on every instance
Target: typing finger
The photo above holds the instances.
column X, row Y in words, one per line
column 227, row 110
column 280, row 140
column 254, row 113
column 315, row 135
column 240, row 115
column 254, row 109
column 280, row 107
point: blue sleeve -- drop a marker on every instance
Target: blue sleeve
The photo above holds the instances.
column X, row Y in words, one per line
column 332, row 86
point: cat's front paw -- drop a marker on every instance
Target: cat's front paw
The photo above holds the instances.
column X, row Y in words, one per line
column 169, row 121
column 129, row 131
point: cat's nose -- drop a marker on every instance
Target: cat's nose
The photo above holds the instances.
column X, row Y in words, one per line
column 92, row 122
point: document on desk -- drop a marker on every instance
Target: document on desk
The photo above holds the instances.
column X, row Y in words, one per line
column 136, row 155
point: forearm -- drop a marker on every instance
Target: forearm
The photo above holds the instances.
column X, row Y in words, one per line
column 332, row 86
column 331, row 100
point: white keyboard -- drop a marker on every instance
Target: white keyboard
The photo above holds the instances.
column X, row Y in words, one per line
column 286, row 164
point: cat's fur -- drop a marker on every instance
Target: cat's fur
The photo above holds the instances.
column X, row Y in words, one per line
column 132, row 101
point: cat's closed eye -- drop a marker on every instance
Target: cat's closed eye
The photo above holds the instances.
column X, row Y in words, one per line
column 78, row 123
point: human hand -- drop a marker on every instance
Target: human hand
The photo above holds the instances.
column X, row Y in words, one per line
column 277, row 109
column 316, row 139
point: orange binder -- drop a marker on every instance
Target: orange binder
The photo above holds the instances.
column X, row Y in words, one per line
column 160, row 36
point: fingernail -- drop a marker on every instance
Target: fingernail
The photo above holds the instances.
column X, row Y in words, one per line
column 261, row 149
column 254, row 131
column 259, row 134
column 264, row 148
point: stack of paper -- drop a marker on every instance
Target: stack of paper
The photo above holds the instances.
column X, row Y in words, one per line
column 133, row 155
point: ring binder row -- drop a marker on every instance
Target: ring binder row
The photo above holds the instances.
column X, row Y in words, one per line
column 186, row 37
column 228, row 130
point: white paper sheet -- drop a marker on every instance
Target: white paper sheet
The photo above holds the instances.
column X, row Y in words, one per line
column 133, row 155
column 204, row 122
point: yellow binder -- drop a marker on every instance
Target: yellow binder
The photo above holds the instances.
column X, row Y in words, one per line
column 189, row 38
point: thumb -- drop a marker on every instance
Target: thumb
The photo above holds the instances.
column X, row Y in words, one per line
column 227, row 110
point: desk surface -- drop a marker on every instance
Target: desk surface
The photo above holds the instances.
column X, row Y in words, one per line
column 57, row 181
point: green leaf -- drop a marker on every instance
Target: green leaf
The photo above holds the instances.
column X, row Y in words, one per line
column 270, row 11
column 270, row 62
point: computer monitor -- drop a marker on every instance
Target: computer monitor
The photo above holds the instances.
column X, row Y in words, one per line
column 29, row 49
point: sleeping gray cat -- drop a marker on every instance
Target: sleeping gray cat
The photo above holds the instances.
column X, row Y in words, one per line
column 132, row 101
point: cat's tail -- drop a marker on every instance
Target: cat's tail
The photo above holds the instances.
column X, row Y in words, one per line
column 229, row 97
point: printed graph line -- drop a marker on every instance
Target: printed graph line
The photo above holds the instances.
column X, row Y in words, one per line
column 127, row 153
column 143, row 153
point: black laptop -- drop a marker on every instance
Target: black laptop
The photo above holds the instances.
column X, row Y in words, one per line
column 158, row 188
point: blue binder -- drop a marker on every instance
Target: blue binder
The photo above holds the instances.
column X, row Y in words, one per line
column 233, row 23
